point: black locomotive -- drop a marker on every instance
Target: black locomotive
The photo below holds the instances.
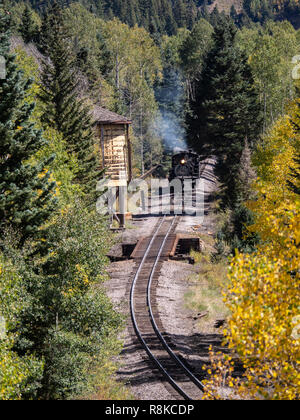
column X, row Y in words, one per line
column 185, row 165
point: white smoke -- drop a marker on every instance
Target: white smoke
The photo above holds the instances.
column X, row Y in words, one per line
column 171, row 132
column 170, row 122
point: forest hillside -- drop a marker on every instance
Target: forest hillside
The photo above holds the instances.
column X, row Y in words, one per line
column 184, row 75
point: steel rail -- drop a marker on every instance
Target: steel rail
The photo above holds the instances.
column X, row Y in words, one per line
column 154, row 325
column 173, row 355
column 136, row 328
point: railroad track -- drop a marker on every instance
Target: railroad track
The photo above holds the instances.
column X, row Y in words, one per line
column 205, row 171
column 205, row 164
column 145, row 317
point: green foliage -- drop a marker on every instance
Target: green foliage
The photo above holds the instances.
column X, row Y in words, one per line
column 225, row 112
column 15, row 371
column 59, row 333
column 166, row 16
column 28, row 28
column 234, row 234
column 63, row 111
column 156, row 16
column 61, row 329
column 262, row 294
column 259, row 10
column 136, row 65
column 65, row 166
column 73, row 245
column 270, row 50
column 162, row 16
column 91, row 52
column 26, row 192
column 262, row 10
column 17, row 10
column 68, row 316
column 193, row 52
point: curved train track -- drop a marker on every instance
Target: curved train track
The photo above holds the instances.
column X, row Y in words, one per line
column 144, row 314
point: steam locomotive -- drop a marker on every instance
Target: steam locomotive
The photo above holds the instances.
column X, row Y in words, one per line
column 185, row 165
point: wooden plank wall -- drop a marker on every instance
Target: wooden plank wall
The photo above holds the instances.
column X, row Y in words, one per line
column 113, row 150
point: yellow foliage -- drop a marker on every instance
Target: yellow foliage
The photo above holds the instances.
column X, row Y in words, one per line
column 263, row 294
column 12, row 374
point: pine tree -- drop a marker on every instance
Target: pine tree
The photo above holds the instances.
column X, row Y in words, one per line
column 214, row 17
column 28, row 29
column 62, row 108
column 234, row 15
column 167, row 16
column 100, row 8
column 26, row 194
column 226, row 110
column 180, row 13
column 235, row 231
column 204, row 10
column 104, row 60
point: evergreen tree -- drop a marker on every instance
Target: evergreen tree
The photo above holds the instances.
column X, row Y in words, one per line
column 192, row 14
column 170, row 26
column 234, row 15
column 225, row 111
column 244, row 19
column 235, row 231
column 180, row 13
column 62, row 108
column 131, row 17
column 100, row 8
column 104, row 55
column 204, row 10
column 214, row 17
column 26, row 194
column 28, row 29
column 242, row 216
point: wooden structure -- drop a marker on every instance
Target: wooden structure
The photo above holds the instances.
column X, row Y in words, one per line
column 114, row 148
column 114, row 145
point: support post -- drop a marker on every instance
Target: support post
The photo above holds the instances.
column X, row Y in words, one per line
column 122, row 205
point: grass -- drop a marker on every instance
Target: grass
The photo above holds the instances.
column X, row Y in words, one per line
column 128, row 225
column 205, row 295
column 208, row 240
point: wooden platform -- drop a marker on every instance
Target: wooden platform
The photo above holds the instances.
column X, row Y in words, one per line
column 143, row 243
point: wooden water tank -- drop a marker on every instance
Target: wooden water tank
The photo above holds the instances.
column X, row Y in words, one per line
column 114, row 146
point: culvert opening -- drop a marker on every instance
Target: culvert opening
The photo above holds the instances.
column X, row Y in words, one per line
column 186, row 245
column 127, row 249
column 183, row 247
column 121, row 252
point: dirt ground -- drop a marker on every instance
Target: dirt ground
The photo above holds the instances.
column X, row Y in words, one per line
column 179, row 323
